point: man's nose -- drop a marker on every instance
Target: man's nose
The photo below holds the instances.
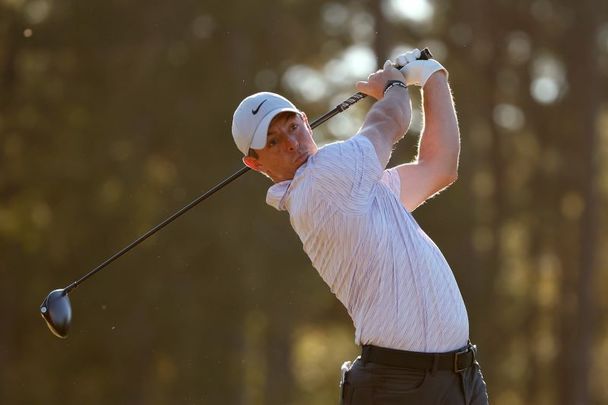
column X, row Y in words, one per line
column 292, row 142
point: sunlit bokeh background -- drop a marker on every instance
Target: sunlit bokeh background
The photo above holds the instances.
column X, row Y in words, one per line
column 114, row 114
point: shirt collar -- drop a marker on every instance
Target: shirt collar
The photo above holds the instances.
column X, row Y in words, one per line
column 278, row 192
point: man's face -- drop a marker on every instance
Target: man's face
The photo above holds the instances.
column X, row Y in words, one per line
column 289, row 145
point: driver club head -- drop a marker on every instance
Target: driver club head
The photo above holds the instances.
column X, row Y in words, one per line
column 56, row 310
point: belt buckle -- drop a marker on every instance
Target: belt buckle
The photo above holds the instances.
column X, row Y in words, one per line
column 470, row 348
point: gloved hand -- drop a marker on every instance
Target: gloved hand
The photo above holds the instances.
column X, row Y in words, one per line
column 417, row 72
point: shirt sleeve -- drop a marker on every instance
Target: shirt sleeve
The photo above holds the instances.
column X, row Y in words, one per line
column 347, row 171
column 392, row 180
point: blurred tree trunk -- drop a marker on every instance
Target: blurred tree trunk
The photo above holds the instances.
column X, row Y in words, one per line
column 10, row 344
column 279, row 380
column 382, row 39
column 491, row 204
column 540, row 377
column 11, row 40
column 584, row 104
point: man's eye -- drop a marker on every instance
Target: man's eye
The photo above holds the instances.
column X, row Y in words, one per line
column 294, row 126
column 271, row 143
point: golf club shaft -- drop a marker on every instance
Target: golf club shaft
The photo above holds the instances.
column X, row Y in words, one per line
column 158, row 227
column 182, row 211
column 194, row 203
column 425, row 54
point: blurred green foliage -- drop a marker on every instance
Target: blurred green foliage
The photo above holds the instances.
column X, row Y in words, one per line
column 114, row 114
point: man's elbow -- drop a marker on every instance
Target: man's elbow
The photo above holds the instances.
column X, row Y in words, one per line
column 450, row 168
column 448, row 177
column 453, row 176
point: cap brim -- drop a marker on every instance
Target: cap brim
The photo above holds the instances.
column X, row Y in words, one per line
column 261, row 132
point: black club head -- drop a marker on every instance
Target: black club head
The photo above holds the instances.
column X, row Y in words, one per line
column 56, row 310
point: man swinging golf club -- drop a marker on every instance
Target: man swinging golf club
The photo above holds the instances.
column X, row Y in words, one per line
column 354, row 220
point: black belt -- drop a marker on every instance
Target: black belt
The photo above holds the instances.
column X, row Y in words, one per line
column 457, row 361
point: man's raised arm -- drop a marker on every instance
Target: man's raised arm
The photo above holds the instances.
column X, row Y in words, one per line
column 436, row 166
column 389, row 118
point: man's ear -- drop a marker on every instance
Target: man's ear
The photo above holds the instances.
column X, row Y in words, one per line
column 252, row 163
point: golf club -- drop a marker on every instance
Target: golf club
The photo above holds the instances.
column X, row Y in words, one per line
column 56, row 308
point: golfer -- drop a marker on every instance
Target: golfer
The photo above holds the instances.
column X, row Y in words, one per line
column 354, row 220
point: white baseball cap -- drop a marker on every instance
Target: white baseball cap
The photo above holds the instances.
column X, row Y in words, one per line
column 252, row 118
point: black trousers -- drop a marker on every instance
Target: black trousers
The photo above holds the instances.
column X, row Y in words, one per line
column 378, row 384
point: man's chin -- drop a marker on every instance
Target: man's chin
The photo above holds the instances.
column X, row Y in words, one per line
column 302, row 159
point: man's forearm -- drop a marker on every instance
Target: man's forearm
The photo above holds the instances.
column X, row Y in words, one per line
column 387, row 122
column 392, row 114
column 440, row 138
column 389, row 118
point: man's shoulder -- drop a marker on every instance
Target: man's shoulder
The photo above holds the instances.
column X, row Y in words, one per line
column 340, row 166
column 343, row 148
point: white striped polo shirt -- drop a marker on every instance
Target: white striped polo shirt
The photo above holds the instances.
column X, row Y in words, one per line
column 393, row 280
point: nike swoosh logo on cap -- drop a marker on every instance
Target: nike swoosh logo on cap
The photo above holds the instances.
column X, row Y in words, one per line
column 258, row 109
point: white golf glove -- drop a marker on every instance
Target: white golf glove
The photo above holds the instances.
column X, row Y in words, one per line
column 417, row 72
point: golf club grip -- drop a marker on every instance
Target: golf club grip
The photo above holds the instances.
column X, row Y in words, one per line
column 425, row 54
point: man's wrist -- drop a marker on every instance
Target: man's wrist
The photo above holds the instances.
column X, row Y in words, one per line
column 438, row 78
column 393, row 83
